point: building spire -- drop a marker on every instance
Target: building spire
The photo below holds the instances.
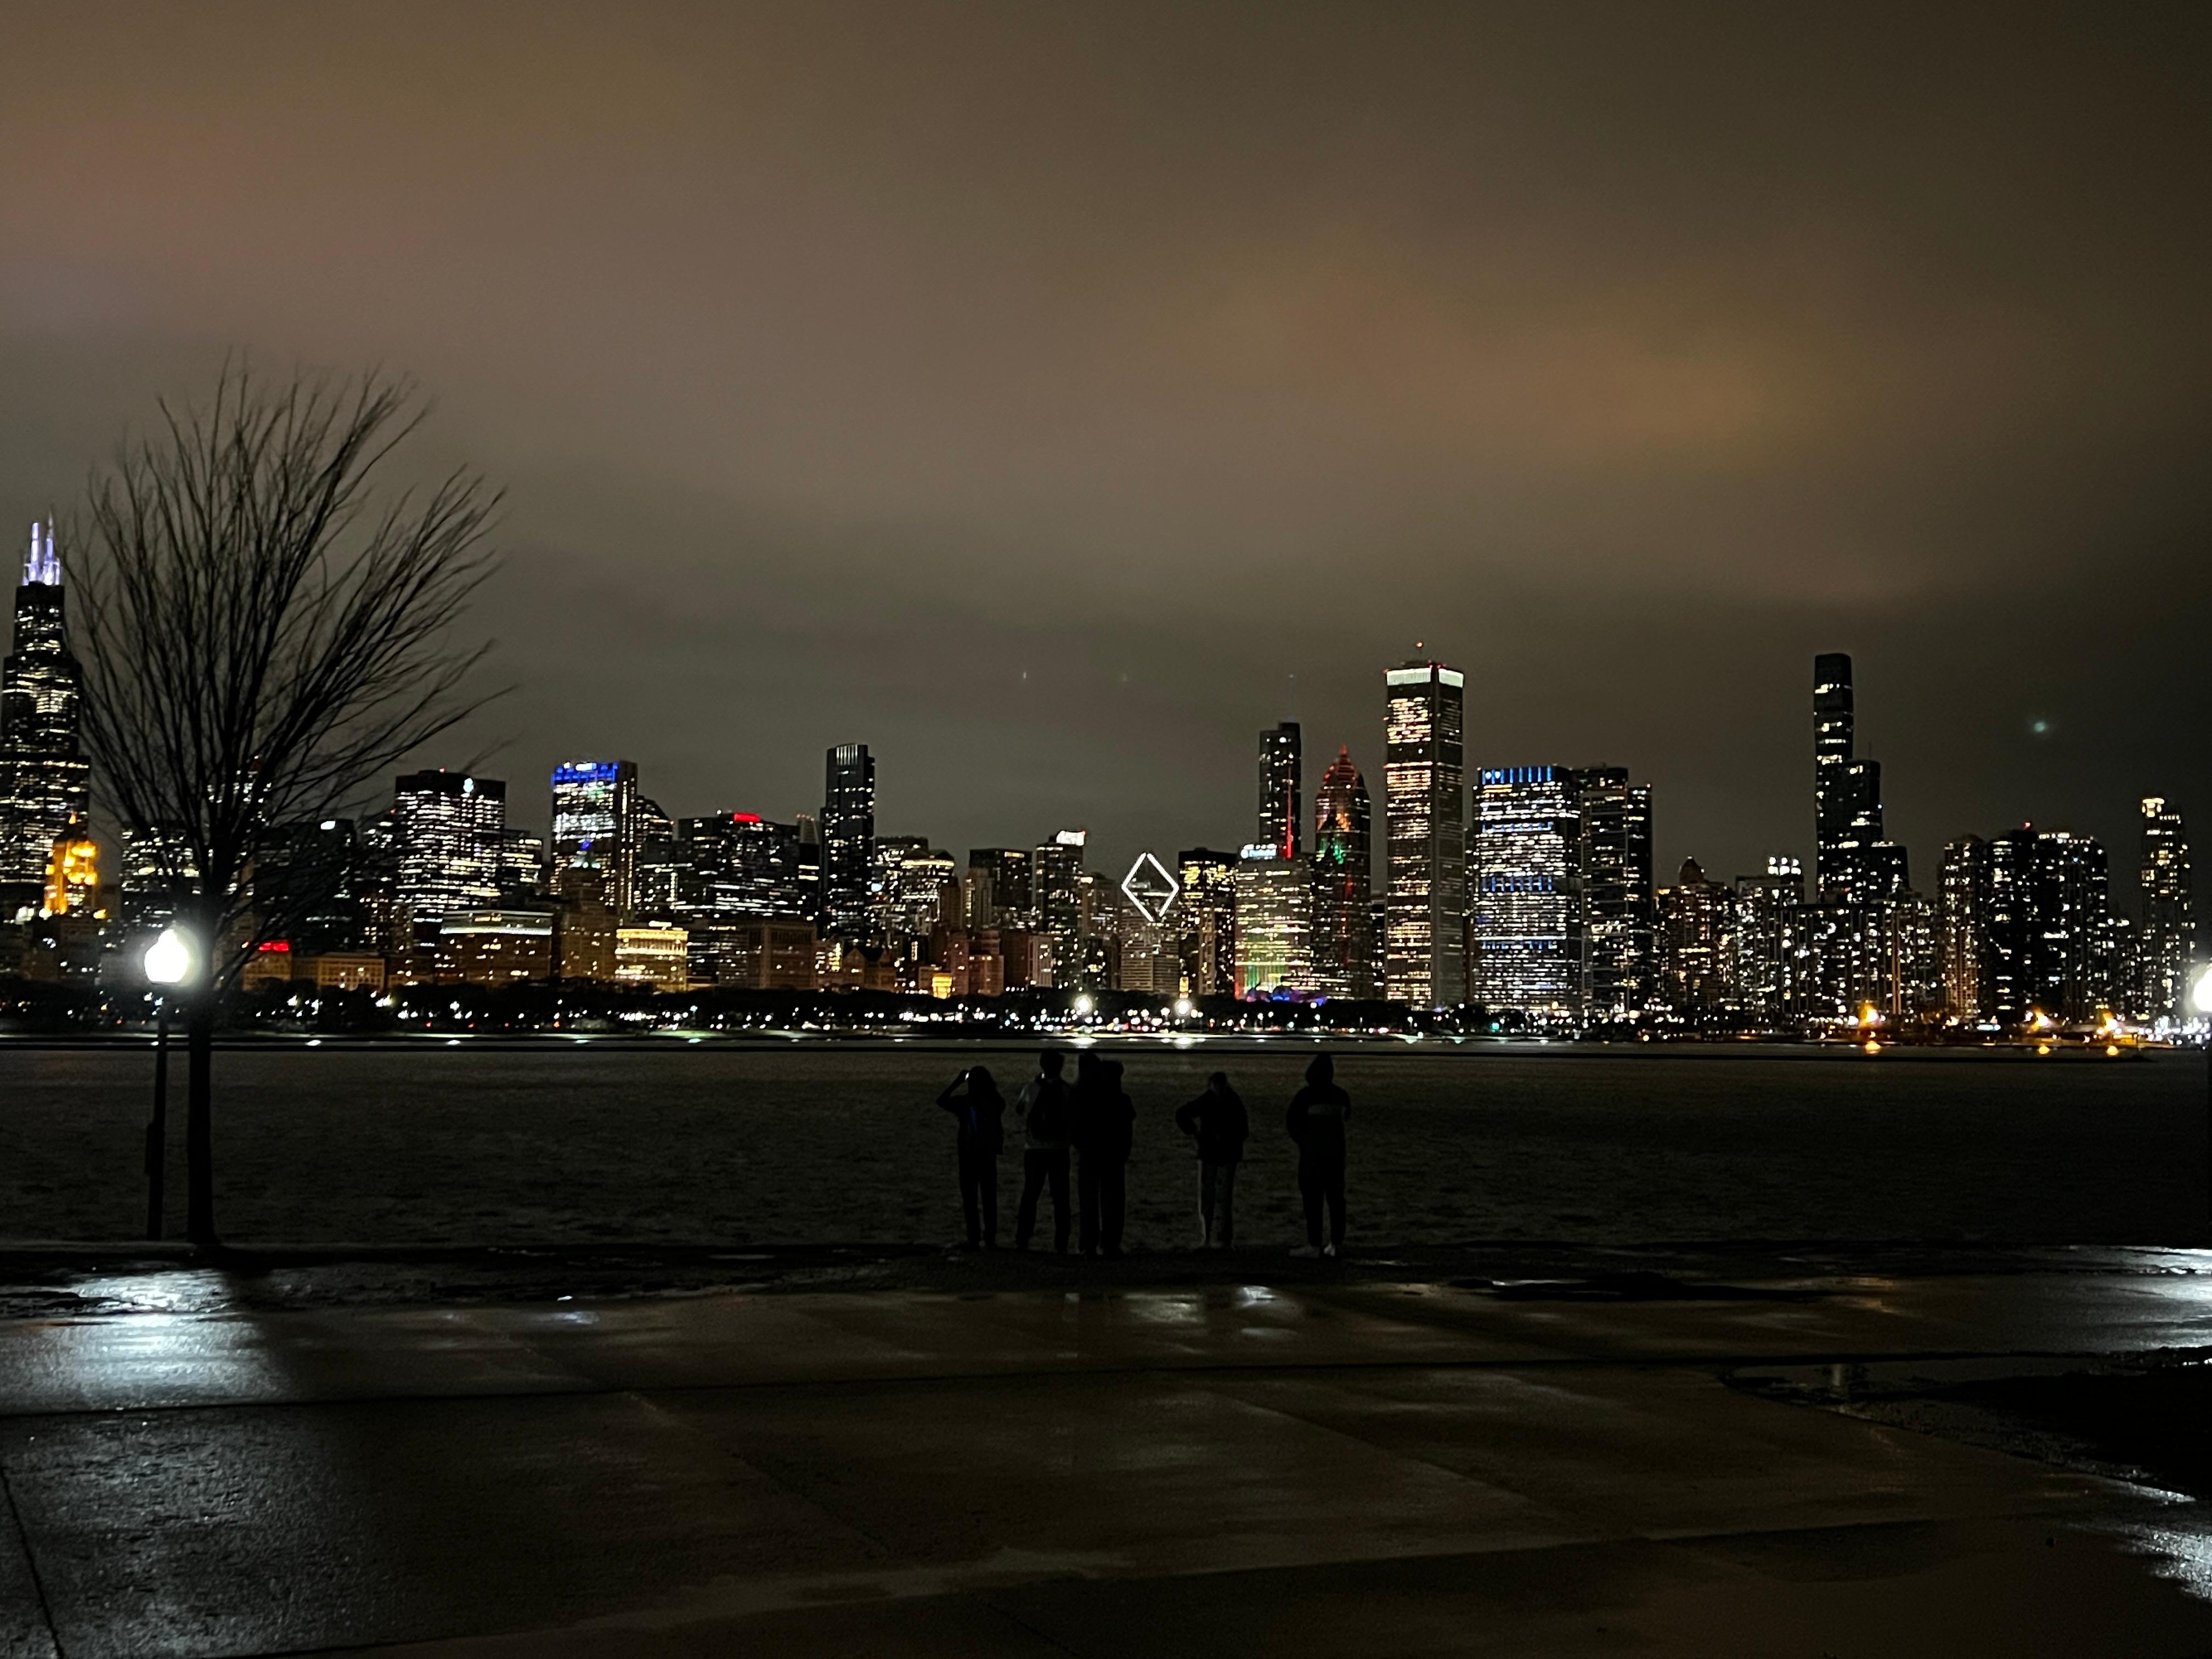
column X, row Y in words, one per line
column 39, row 564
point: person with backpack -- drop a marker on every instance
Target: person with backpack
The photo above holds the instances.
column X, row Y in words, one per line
column 1217, row 1121
column 974, row 1100
column 1042, row 1108
column 1315, row 1122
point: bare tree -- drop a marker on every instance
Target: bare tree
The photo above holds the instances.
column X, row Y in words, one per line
column 265, row 632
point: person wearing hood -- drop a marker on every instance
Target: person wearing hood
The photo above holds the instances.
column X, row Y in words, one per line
column 1315, row 1122
column 1217, row 1121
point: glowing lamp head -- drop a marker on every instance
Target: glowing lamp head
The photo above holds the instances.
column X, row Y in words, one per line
column 1183, row 1007
column 2201, row 993
column 1084, row 1005
column 170, row 958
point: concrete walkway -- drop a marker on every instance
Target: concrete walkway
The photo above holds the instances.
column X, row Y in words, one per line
column 1360, row 1467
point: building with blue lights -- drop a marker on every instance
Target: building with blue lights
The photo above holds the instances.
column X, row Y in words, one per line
column 596, row 829
column 46, row 781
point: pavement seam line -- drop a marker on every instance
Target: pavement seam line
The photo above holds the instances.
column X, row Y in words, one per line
column 31, row 1561
column 1714, row 1363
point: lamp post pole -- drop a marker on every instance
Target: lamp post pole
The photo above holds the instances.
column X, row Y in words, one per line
column 157, row 1131
column 2200, row 995
column 171, row 960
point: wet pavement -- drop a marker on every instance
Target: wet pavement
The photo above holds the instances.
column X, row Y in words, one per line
column 1017, row 1458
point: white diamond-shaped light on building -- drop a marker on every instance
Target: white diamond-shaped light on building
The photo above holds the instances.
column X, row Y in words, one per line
column 1150, row 888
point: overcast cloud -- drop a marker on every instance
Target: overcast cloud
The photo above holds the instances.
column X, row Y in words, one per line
column 1051, row 397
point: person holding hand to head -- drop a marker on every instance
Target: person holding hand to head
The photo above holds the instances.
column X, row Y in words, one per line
column 976, row 1106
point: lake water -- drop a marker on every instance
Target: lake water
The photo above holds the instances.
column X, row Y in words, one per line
column 482, row 1144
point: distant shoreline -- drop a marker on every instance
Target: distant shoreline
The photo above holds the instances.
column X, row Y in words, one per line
column 1180, row 1043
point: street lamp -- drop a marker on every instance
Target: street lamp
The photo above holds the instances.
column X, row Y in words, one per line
column 171, row 961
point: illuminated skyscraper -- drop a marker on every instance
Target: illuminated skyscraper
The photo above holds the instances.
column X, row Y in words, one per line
column 2047, row 934
column 1425, row 813
column 448, row 831
column 595, row 827
column 1343, row 872
column 736, row 865
column 44, row 779
column 1846, row 794
column 1208, row 911
column 524, row 873
column 654, row 876
column 1526, row 905
column 1758, row 964
column 1962, row 904
column 916, row 888
column 1274, row 921
column 1282, row 773
column 1696, row 918
column 1618, row 950
column 2168, row 930
column 1056, row 878
column 849, row 842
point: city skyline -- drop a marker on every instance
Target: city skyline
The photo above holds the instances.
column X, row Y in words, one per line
column 1525, row 888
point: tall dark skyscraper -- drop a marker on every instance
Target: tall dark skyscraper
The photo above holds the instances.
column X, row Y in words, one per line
column 1618, row 943
column 2169, row 930
column 1424, row 811
column 1343, row 940
column 849, row 842
column 1846, row 793
column 45, row 778
column 1000, row 885
column 1962, row 915
column 1281, row 798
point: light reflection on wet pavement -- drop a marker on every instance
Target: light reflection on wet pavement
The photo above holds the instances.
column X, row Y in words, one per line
column 1858, row 1462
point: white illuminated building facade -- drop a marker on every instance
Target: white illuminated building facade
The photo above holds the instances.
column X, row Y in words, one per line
column 1274, row 921
column 1423, row 807
column 448, row 835
column 1527, row 903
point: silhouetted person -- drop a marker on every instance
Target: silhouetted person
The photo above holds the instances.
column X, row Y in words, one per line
column 1110, row 1130
column 1043, row 1108
column 974, row 1100
column 1218, row 1123
column 1090, row 1110
column 1315, row 1121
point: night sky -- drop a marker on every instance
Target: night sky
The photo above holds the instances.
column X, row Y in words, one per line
column 1051, row 397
